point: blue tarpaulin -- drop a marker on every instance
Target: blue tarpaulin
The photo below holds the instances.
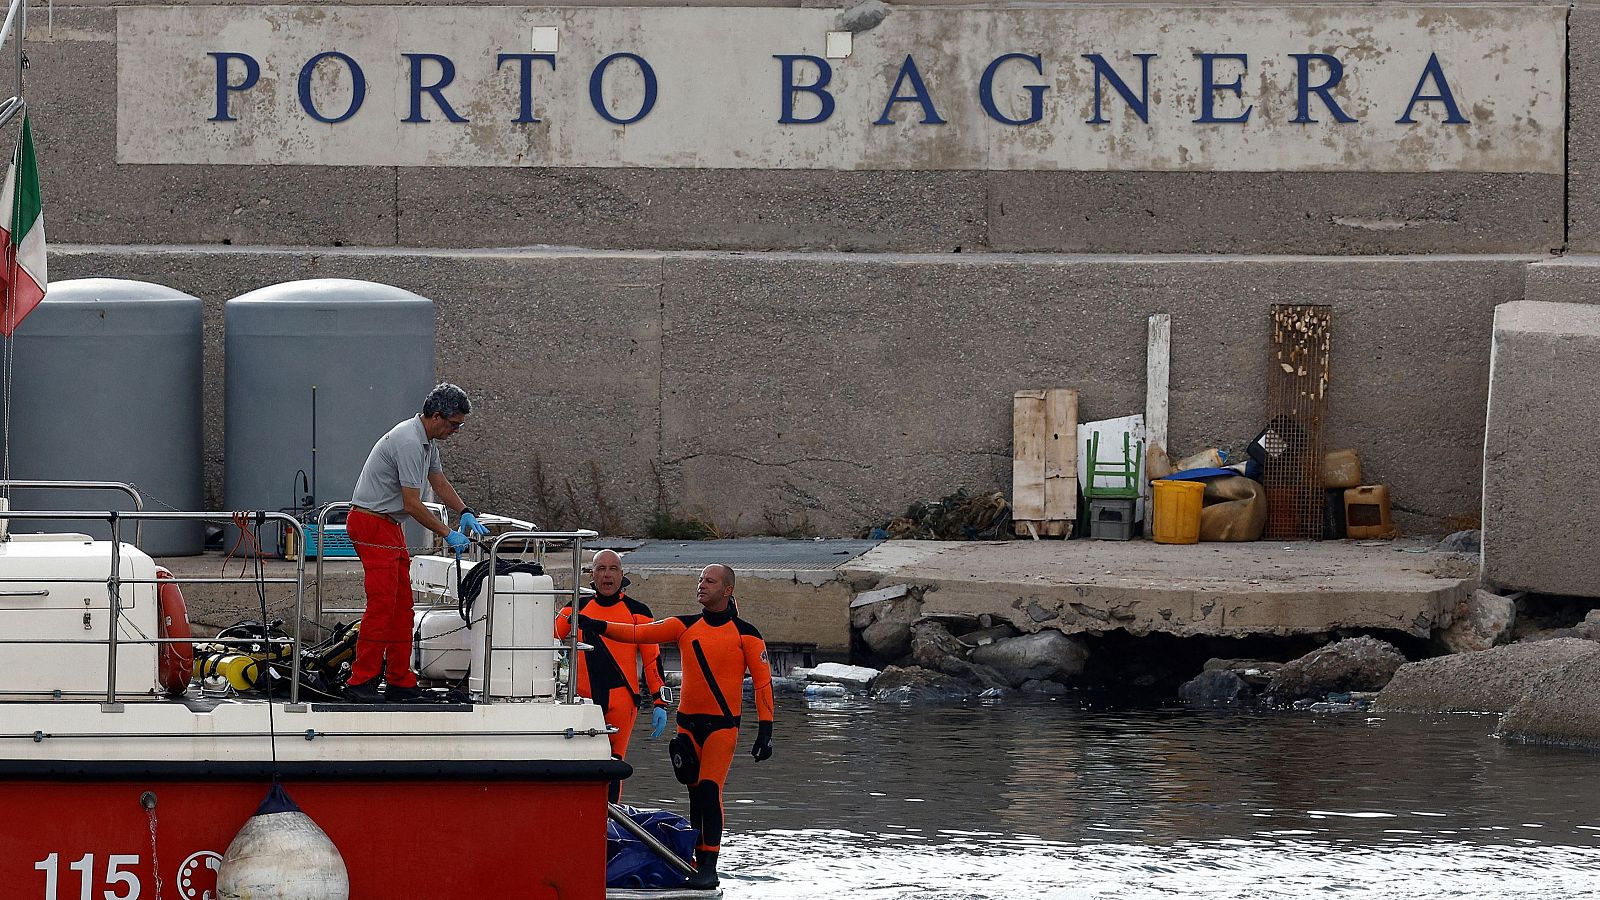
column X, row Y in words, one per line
column 630, row 864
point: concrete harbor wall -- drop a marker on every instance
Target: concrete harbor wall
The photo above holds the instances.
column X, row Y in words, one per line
column 681, row 375
column 808, row 349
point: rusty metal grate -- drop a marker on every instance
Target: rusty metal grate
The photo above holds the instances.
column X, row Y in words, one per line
column 1297, row 398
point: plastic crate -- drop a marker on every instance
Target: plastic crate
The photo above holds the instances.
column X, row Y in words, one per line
column 1111, row 520
column 333, row 544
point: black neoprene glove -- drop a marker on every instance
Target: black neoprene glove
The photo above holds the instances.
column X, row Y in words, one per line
column 762, row 749
column 586, row 624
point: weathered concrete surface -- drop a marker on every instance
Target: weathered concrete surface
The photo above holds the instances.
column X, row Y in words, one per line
column 1561, row 707
column 1539, row 527
column 721, row 100
column 681, row 378
column 1568, row 279
column 1207, row 589
column 1273, row 212
column 91, row 198
column 71, row 89
column 706, row 209
column 1583, row 127
column 1486, row 681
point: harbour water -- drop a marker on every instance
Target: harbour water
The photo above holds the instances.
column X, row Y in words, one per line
column 1035, row 800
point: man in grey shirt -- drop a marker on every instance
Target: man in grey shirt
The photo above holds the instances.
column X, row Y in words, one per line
column 390, row 489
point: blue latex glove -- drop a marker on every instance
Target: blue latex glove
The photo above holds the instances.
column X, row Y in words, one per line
column 471, row 525
column 457, row 542
column 658, row 721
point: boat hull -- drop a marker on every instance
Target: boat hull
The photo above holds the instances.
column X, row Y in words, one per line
column 439, row 838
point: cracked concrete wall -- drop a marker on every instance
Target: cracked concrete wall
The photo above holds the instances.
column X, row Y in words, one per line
column 635, row 376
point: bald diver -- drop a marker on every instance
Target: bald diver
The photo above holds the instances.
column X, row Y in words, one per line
column 717, row 649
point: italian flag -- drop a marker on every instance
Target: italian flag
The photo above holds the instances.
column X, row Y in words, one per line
column 23, row 278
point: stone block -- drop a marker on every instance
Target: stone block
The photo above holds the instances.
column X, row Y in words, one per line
column 1561, row 707
column 1541, row 505
column 1489, row 681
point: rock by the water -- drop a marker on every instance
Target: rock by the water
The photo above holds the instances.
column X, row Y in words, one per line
column 918, row 685
column 1562, row 706
column 931, row 642
column 838, row 673
column 1254, row 672
column 1355, row 664
column 1215, row 687
column 883, row 619
column 1462, row 542
column 989, row 634
column 1483, row 620
column 1047, row 688
column 974, row 673
column 1488, row 681
column 1046, row 655
column 888, row 638
column 1589, row 628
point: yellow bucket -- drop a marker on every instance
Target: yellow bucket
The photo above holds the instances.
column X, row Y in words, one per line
column 1176, row 515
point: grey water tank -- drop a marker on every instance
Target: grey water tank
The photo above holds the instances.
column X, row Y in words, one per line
column 367, row 348
column 106, row 387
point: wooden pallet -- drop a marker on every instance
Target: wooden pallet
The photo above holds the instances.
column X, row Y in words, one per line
column 1044, row 462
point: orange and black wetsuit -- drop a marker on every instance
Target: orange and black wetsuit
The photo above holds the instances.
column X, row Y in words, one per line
column 608, row 674
column 717, row 649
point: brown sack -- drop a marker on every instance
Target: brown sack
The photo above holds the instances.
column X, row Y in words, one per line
column 1235, row 510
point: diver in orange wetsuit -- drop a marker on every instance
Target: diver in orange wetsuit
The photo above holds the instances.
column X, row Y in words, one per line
column 717, row 648
column 608, row 673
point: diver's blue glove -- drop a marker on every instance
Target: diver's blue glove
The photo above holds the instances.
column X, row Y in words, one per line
column 470, row 524
column 658, row 721
column 457, row 542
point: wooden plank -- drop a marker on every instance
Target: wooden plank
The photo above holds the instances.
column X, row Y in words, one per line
column 1061, row 461
column 1157, row 368
column 1029, row 428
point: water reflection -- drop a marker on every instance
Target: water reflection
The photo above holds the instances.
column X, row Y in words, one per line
column 1020, row 800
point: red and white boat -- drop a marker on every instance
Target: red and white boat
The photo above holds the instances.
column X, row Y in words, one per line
column 117, row 788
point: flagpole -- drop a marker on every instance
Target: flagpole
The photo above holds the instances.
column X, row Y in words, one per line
column 12, row 264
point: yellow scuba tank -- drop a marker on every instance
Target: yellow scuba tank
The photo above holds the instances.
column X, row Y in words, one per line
column 240, row 670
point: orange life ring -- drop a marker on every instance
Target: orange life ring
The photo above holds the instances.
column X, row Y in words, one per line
column 176, row 660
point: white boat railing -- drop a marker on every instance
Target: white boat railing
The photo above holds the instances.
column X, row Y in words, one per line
column 130, row 490
column 114, row 581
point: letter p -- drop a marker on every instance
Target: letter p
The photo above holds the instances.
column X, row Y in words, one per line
column 252, row 74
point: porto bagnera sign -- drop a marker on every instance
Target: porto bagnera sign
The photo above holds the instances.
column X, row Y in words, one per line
column 1142, row 88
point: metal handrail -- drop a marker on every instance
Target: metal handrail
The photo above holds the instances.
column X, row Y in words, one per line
column 577, row 538
column 322, row 530
column 114, row 581
column 55, row 485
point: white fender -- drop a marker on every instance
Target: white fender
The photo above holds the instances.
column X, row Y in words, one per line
column 280, row 854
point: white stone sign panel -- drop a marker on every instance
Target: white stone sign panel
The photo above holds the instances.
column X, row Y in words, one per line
column 1097, row 88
